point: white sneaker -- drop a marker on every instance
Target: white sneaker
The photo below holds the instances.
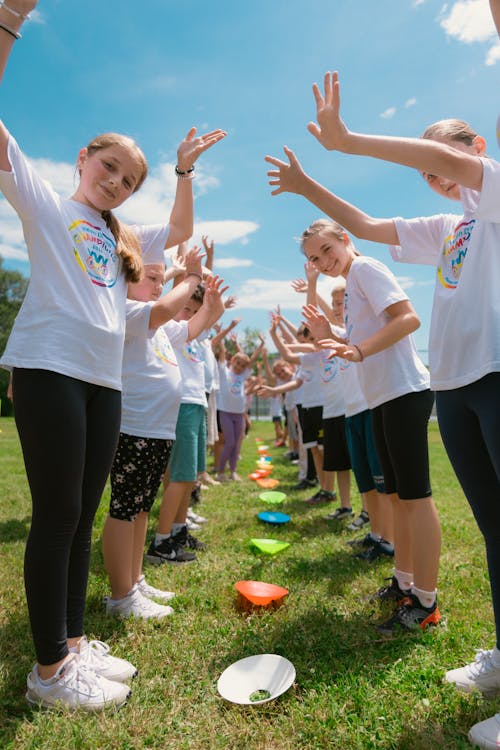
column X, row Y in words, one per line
column 95, row 655
column 74, row 686
column 481, row 675
column 192, row 526
column 195, row 517
column 235, row 477
column 151, row 593
column 137, row 605
column 486, row 734
column 221, row 478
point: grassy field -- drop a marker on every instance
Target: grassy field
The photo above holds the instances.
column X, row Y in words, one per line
column 354, row 690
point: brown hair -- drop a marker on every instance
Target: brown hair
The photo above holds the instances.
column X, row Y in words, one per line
column 127, row 242
column 325, row 226
column 450, row 130
column 198, row 294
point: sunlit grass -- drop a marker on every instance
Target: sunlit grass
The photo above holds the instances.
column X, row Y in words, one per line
column 354, row 690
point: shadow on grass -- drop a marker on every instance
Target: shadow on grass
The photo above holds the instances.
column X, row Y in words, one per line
column 15, row 529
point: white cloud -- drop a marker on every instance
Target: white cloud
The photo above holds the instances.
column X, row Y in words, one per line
column 493, row 55
column 410, row 102
column 469, row 21
column 225, row 231
column 388, row 113
column 265, row 294
column 232, row 263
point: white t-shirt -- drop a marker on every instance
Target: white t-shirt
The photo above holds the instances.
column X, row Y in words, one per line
column 464, row 341
column 231, row 396
column 72, row 320
column 152, row 387
column 209, row 363
column 309, row 372
column 332, row 385
column 190, row 361
column 395, row 371
column 276, row 403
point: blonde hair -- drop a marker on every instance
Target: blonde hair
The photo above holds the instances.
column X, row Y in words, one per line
column 450, row 130
column 328, row 227
column 127, row 242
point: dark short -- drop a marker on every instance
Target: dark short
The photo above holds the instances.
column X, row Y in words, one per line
column 336, row 452
column 364, row 458
column 311, row 421
column 136, row 474
column 400, row 431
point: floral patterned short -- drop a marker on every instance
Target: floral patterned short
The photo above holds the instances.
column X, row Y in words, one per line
column 137, row 471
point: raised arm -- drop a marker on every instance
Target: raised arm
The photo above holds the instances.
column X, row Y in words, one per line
column 495, row 12
column 403, row 321
column 169, row 305
column 209, row 252
column 425, row 155
column 211, row 309
column 267, row 368
column 256, row 354
column 181, row 217
column 280, row 345
column 291, row 178
column 12, row 17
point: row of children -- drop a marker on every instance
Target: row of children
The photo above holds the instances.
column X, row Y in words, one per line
column 464, row 349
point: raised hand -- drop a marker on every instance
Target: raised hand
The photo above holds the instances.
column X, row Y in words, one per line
column 264, row 391
column 312, row 273
column 193, row 262
column 330, row 130
column 213, row 292
column 316, row 322
column 288, row 177
column 191, row 147
column 230, row 302
column 344, row 351
column 299, row 285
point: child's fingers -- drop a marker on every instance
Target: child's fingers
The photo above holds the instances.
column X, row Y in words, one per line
column 277, row 192
column 191, row 134
column 318, row 96
column 275, row 161
column 314, row 129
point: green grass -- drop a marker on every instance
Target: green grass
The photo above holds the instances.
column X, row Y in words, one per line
column 354, row 690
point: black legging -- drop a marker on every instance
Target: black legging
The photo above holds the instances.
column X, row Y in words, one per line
column 469, row 420
column 69, row 432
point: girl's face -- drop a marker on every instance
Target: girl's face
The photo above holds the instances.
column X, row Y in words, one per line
column 108, row 177
column 190, row 308
column 329, row 255
column 149, row 288
column 338, row 305
column 238, row 364
column 447, row 188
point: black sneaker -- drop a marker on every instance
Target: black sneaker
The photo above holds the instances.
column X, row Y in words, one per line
column 362, row 541
column 341, row 514
column 186, row 540
column 411, row 615
column 168, row 551
column 371, row 553
column 305, row 484
column 390, row 593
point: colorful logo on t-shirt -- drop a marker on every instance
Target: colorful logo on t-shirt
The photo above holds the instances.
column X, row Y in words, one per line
column 163, row 348
column 236, row 383
column 189, row 352
column 329, row 367
column 95, row 252
column 454, row 252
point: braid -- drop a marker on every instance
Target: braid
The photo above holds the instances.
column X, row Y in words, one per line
column 127, row 246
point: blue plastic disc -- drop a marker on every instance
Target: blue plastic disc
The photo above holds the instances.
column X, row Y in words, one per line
column 271, row 517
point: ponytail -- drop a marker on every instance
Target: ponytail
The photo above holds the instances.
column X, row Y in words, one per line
column 127, row 246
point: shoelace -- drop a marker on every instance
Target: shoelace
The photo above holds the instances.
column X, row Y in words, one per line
column 95, row 651
column 82, row 679
column 482, row 662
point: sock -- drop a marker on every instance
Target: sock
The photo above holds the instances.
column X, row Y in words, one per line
column 176, row 527
column 426, row 598
column 160, row 537
column 405, row 580
column 495, row 657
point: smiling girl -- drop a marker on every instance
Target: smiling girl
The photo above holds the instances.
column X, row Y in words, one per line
column 65, row 350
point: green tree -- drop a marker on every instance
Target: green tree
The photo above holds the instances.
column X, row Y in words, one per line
column 13, row 287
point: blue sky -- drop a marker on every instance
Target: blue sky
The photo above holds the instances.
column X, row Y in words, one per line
column 154, row 69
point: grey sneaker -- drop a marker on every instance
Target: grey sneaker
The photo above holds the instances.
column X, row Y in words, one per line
column 481, row 674
column 341, row 514
column 359, row 522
